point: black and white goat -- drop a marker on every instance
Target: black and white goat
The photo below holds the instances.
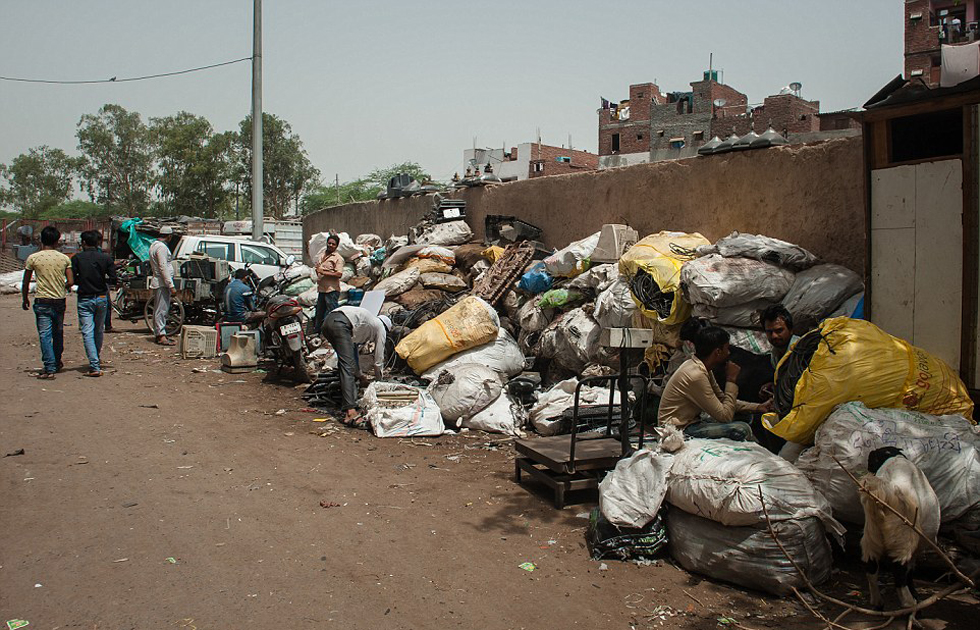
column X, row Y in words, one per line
column 887, row 540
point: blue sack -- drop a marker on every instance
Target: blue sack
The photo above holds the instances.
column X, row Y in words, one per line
column 536, row 280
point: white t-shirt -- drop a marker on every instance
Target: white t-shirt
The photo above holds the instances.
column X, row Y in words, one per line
column 367, row 327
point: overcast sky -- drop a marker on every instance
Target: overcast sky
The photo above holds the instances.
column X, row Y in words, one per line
column 370, row 83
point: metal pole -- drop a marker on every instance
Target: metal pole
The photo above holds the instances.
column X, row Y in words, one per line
column 336, row 182
column 257, row 181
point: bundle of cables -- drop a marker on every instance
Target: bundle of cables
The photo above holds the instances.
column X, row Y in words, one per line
column 792, row 368
column 648, row 292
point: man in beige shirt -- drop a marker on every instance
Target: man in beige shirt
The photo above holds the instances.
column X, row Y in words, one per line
column 329, row 268
column 52, row 271
column 694, row 403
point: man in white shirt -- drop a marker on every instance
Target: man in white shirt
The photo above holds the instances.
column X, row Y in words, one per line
column 163, row 283
column 344, row 328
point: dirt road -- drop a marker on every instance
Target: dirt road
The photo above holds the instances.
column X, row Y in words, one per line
column 164, row 497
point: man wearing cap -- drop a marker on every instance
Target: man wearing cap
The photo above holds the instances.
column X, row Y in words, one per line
column 344, row 328
column 163, row 284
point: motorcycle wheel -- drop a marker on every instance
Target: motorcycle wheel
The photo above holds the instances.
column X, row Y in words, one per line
column 301, row 369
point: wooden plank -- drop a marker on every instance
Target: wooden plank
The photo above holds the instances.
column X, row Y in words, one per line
column 938, row 318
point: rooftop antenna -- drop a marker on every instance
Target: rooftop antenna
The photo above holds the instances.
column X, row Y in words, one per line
column 569, row 142
column 796, row 86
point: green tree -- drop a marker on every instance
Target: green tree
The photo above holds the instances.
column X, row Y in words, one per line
column 76, row 209
column 381, row 176
column 118, row 169
column 194, row 164
column 287, row 170
column 38, row 180
column 324, row 196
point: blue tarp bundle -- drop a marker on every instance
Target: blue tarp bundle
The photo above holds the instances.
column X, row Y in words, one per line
column 138, row 242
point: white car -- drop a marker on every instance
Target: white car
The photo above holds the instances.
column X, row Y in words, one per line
column 265, row 259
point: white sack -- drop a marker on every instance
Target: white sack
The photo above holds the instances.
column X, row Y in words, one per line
column 473, row 387
column 546, row 413
column 569, row 261
column 818, row 291
column 299, row 271
column 578, row 340
column 595, row 279
column 444, row 254
column 404, row 253
column 348, row 249
column 11, row 278
column 764, row 248
column 501, row 416
column 451, row 233
column 398, row 283
column 532, row 318
column 741, row 315
column 748, row 556
column 362, row 266
column 720, row 281
column 444, row 281
column 502, row 355
column 615, row 307
column 308, row 298
column 749, row 339
column 720, row 480
column 849, row 306
column 630, row 495
column 945, row 448
column 368, row 240
column 421, row 418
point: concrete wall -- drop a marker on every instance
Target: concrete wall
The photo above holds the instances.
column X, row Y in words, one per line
column 812, row 195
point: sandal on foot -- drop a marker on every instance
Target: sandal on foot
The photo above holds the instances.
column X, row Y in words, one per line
column 46, row 376
column 93, row 374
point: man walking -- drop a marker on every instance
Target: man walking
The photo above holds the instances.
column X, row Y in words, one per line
column 52, row 270
column 163, row 284
column 94, row 272
column 329, row 268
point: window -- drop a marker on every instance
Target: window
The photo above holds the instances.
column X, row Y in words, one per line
column 639, row 136
column 660, row 133
column 222, row 251
column 924, row 136
column 539, row 167
column 258, row 255
column 615, row 142
column 699, row 135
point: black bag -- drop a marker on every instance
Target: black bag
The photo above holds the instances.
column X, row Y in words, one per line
column 610, row 542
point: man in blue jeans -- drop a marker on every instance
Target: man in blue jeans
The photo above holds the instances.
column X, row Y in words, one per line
column 52, row 272
column 94, row 272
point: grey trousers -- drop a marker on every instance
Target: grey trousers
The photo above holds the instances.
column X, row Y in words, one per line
column 160, row 311
column 339, row 332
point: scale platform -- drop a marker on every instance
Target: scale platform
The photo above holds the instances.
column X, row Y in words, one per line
column 547, row 460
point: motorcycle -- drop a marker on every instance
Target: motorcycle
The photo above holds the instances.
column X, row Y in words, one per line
column 284, row 328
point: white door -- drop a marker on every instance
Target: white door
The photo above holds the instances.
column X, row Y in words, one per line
column 917, row 255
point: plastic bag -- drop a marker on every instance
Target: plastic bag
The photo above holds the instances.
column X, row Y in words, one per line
column 308, row 297
column 363, row 266
column 652, row 269
column 464, row 391
column 764, row 248
column 573, row 259
column 444, row 281
column 945, row 448
column 451, row 233
column 501, row 416
column 368, row 240
column 721, row 479
column 502, row 355
column 595, row 279
column 854, row 360
column 299, row 286
column 493, row 253
column 614, row 307
column 399, row 283
column 748, row 556
column 470, row 323
column 632, row 493
column 390, row 417
column 818, row 291
column 560, row 298
column 532, row 318
column 417, row 296
column 577, row 341
column 741, row 315
column 536, row 280
column 719, row 281
column 348, row 272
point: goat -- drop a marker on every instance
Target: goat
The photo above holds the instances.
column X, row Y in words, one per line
column 887, row 540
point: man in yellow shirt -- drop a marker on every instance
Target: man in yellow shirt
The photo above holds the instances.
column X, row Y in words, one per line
column 694, row 403
column 53, row 274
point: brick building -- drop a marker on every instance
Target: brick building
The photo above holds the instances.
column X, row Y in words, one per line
column 651, row 125
column 530, row 159
column 931, row 23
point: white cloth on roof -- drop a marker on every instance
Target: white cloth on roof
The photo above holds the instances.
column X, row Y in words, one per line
column 959, row 63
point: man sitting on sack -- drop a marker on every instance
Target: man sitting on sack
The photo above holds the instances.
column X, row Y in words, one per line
column 694, row 403
column 344, row 328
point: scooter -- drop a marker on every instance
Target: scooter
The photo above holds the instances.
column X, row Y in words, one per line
column 284, row 329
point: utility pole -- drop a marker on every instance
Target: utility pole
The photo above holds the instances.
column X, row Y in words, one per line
column 336, row 181
column 257, row 178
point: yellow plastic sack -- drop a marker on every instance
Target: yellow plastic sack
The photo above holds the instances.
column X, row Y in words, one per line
column 661, row 255
column 857, row 361
column 470, row 323
column 493, row 253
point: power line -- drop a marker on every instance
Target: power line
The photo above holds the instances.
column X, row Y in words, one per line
column 126, row 79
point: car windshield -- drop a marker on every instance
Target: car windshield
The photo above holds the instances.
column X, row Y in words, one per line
column 258, row 255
